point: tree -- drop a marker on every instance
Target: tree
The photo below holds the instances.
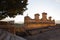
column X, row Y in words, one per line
column 12, row 8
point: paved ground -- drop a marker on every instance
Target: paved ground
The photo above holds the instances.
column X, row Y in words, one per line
column 49, row 35
column 4, row 35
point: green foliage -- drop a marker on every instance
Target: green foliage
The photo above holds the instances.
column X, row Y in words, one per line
column 12, row 8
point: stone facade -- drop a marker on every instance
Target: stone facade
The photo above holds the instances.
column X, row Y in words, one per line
column 8, row 27
column 38, row 23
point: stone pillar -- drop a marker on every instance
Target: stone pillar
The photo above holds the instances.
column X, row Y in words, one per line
column 37, row 16
column 44, row 16
column 50, row 18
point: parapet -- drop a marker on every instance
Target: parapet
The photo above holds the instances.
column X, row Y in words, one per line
column 37, row 14
column 44, row 13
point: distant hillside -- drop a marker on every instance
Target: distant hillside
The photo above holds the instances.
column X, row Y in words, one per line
column 19, row 25
column 58, row 25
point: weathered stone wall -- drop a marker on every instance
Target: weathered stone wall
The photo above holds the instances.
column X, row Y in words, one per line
column 33, row 26
column 38, row 23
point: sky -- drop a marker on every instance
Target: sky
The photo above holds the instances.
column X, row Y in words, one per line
column 51, row 7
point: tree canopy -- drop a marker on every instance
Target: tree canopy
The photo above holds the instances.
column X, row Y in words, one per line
column 12, row 8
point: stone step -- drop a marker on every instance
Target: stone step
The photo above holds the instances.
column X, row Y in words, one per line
column 4, row 35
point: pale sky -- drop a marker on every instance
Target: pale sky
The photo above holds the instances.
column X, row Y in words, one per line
column 51, row 7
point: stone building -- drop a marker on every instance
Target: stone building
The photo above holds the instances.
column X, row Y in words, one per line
column 8, row 27
column 38, row 23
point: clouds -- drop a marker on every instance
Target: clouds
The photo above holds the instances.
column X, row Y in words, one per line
column 57, row 1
